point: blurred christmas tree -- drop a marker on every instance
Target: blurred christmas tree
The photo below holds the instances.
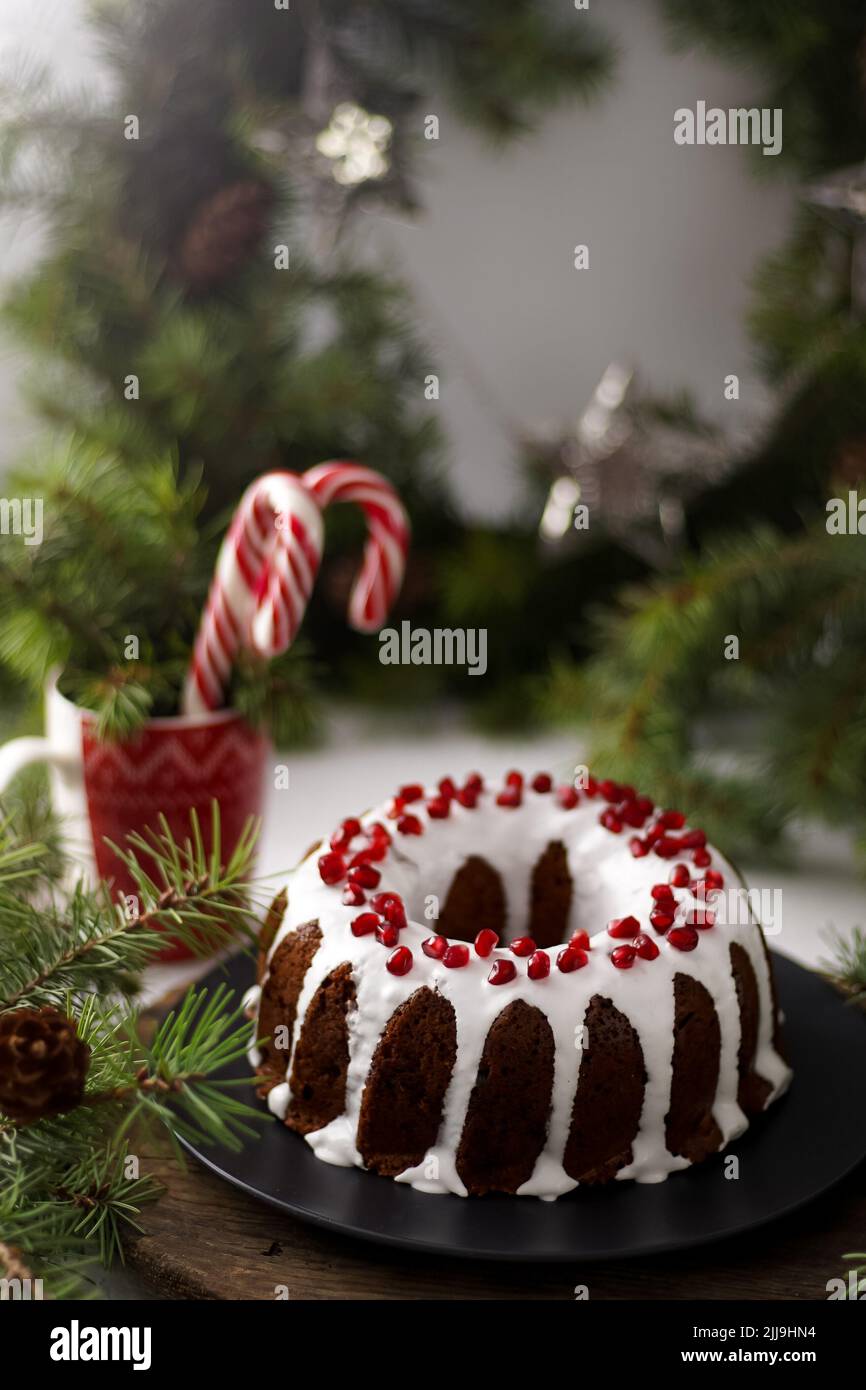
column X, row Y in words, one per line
column 199, row 301
column 765, row 616
column 168, row 339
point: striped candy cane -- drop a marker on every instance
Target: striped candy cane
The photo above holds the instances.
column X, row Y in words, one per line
column 264, row 576
column 381, row 572
column 268, row 564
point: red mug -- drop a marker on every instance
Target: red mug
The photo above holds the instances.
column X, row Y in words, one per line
column 106, row 790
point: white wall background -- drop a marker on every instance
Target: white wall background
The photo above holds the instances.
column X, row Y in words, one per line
column 673, row 232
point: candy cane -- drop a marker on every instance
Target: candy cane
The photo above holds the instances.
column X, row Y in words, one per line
column 268, row 563
column 264, row 576
column 381, row 572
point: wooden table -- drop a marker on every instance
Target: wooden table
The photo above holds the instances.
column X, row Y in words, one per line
column 205, row 1240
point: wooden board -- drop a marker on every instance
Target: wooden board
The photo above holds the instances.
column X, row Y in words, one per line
column 205, row 1240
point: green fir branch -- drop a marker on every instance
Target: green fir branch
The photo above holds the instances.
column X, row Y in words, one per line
column 70, row 1185
column 797, row 609
column 847, row 967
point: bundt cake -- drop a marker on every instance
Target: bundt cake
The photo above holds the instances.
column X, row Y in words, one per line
column 515, row 989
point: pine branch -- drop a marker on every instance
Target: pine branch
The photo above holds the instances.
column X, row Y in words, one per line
column 124, row 697
column 279, row 696
column 91, row 942
column 847, row 968
column 67, row 1190
column 56, row 610
column 69, row 1186
column 660, row 668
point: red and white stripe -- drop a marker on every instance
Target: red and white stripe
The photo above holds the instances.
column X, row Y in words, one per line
column 264, row 576
column 268, row 564
column 381, row 573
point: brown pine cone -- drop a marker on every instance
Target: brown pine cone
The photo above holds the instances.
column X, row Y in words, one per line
column 43, row 1064
column 223, row 233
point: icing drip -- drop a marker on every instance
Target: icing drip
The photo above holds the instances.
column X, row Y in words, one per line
column 609, row 881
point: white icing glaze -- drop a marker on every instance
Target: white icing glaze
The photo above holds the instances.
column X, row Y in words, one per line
column 608, row 882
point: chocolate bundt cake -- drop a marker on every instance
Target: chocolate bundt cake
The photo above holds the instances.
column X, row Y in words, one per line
column 516, row 989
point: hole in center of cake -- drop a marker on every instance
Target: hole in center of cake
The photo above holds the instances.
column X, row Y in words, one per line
column 477, row 897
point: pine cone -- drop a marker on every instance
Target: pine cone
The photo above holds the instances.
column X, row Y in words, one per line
column 223, row 233
column 43, row 1064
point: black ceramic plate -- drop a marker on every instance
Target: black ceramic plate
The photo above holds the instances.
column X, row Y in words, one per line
column 805, row 1143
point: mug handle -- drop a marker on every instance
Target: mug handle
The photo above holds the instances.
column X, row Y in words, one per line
column 23, row 752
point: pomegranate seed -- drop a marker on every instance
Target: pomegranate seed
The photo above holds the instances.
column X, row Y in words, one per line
column 638, row 847
column 510, row 798
column 627, row 792
column 413, row 791
column 666, row 847
column 395, row 913
column 381, row 900
column 332, row 868
column 679, row 876
column 474, row 782
column 338, row 842
column 365, row 876
column 468, row 797
column 713, row 879
column 702, row 858
column 364, row 923
column 456, row 956
column 662, row 892
column 485, row 941
column 581, row 939
column 514, row 779
column 684, row 938
column 351, row 827
column 387, row 934
column 672, row 820
column 591, row 788
column 410, row 825
column 377, row 831
column 694, row 839
column 571, row 958
column 703, row 895
column 538, row 967
column 623, row 957
column 623, row 927
column 395, row 809
column 701, row 917
column 645, row 805
column 435, row 947
column 662, row 920
column 611, row 821
column 655, row 832
column 390, row 906
column 542, row 782
column 364, row 856
column 646, row 947
column 611, row 791
column 353, row 896
column 448, row 788
column 567, row 797
column 438, row 808
column 400, row 961
column 502, row 972
column 522, row 946
column 632, row 816
column 376, row 850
